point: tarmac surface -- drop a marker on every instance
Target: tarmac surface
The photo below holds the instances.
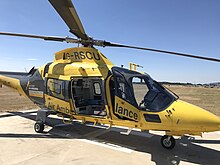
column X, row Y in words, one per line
column 86, row 144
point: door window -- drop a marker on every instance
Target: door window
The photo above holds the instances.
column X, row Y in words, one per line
column 140, row 89
column 123, row 88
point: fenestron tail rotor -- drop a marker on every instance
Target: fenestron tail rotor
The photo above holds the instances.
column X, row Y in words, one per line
column 69, row 15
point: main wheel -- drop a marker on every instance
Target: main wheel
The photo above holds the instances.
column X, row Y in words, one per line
column 39, row 127
column 168, row 142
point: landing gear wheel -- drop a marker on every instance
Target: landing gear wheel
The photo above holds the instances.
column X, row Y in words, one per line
column 168, row 142
column 39, row 127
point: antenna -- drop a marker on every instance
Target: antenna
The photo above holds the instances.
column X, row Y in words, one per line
column 134, row 66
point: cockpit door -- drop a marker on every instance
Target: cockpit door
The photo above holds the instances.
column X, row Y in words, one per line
column 125, row 106
column 137, row 93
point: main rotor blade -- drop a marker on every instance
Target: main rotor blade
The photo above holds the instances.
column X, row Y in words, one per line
column 68, row 13
column 49, row 38
column 162, row 51
column 33, row 36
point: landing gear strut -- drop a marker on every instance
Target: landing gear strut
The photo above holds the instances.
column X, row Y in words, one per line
column 168, row 142
column 41, row 117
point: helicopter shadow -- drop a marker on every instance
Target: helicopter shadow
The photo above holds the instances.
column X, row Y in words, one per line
column 187, row 149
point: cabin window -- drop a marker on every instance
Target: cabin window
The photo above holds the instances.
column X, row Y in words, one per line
column 97, row 88
column 56, row 88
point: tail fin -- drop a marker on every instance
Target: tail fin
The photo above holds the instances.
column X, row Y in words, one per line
column 32, row 71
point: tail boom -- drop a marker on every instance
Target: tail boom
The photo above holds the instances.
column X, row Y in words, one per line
column 13, row 83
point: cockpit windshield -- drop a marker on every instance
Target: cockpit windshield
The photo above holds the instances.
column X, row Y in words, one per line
column 141, row 90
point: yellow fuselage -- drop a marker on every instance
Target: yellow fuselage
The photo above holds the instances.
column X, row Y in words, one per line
column 178, row 118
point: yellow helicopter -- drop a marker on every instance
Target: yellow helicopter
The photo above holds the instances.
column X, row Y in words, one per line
column 82, row 84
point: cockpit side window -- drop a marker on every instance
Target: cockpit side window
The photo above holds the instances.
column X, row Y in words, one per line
column 157, row 98
column 140, row 89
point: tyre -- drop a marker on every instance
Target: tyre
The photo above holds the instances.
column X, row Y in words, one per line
column 168, row 142
column 39, row 127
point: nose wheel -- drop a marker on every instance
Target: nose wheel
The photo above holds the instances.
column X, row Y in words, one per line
column 168, row 142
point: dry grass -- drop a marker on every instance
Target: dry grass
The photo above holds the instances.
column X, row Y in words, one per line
column 207, row 98
column 10, row 101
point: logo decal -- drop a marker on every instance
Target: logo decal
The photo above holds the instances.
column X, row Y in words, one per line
column 126, row 112
column 82, row 55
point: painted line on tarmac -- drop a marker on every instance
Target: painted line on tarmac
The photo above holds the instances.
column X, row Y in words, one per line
column 108, row 145
column 218, row 132
column 122, row 130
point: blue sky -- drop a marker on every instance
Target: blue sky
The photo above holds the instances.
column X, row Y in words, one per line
column 183, row 26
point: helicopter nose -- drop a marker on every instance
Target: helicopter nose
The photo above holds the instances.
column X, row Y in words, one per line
column 195, row 118
column 213, row 124
column 207, row 121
